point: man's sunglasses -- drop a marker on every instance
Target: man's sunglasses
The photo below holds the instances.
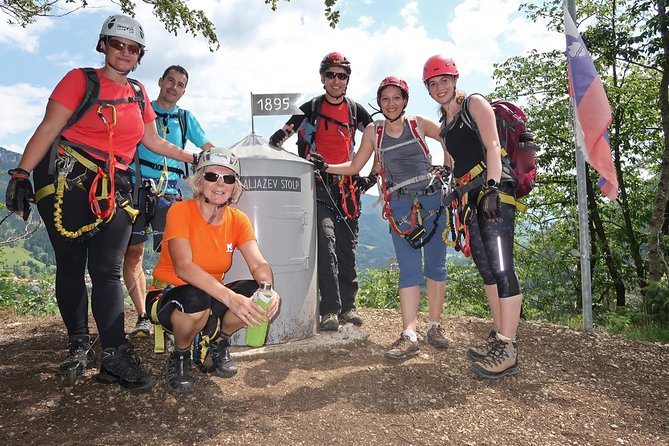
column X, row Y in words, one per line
column 332, row 75
column 120, row 46
column 213, row 177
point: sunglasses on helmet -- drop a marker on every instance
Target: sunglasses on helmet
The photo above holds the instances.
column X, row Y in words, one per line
column 213, row 177
column 332, row 75
column 120, row 46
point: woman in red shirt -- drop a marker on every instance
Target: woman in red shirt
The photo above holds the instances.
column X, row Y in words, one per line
column 87, row 216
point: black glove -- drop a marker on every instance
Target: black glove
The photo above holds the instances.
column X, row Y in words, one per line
column 365, row 183
column 193, row 165
column 490, row 204
column 443, row 172
column 19, row 193
column 278, row 137
column 318, row 161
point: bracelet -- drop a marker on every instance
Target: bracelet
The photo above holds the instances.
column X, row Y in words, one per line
column 19, row 173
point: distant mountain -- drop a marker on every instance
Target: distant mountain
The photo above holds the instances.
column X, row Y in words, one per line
column 375, row 246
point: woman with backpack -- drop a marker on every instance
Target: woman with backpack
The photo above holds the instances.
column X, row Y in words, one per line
column 411, row 188
column 486, row 209
column 79, row 157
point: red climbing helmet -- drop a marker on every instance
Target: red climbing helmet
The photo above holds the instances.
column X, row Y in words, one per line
column 439, row 66
column 396, row 82
column 335, row 60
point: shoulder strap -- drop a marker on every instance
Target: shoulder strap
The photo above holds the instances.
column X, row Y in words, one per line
column 139, row 94
column 413, row 125
column 316, row 105
column 352, row 112
column 378, row 131
column 183, row 123
column 91, row 93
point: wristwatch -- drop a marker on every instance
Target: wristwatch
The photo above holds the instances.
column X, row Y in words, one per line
column 491, row 183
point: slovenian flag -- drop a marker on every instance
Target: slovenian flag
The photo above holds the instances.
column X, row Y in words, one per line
column 593, row 112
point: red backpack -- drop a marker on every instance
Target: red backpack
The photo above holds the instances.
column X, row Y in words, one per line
column 516, row 140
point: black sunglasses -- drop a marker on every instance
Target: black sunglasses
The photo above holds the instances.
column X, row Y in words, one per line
column 213, row 177
column 120, row 46
column 332, row 75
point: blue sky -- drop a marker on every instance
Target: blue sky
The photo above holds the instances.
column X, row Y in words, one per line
column 270, row 52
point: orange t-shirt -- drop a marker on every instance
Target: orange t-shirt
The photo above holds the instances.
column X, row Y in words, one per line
column 90, row 130
column 212, row 245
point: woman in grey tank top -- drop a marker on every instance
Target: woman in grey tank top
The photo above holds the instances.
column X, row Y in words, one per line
column 411, row 189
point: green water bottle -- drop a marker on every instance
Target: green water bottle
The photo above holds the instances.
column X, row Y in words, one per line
column 255, row 335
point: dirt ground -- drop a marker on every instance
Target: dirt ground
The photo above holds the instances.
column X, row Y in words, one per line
column 573, row 389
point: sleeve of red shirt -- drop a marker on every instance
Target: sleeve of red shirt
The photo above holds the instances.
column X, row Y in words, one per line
column 70, row 89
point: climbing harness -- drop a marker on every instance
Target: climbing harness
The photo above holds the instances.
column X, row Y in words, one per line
column 415, row 233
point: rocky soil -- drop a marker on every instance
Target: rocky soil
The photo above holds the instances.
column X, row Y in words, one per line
column 573, row 389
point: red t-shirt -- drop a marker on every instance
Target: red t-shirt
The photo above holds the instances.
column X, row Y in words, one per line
column 212, row 246
column 334, row 141
column 90, row 130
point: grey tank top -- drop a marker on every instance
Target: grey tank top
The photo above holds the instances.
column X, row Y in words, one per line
column 403, row 158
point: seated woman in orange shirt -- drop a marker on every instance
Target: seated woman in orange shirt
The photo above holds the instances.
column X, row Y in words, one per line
column 201, row 236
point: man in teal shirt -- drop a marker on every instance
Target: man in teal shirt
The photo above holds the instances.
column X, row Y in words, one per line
column 158, row 190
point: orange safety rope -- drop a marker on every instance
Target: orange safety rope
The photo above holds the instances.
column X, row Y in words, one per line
column 100, row 175
column 344, row 203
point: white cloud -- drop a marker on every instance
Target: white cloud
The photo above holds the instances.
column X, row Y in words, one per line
column 410, row 13
column 30, row 100
column 365, row 22
column 26, row 39
column 273, row 52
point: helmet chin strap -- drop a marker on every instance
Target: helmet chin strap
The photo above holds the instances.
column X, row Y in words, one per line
column 336, row 97
column 216, row 208
column 124, row 73
column 393, row 120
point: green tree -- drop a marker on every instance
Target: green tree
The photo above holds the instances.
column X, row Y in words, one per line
column 616, row 229
column 175, row 14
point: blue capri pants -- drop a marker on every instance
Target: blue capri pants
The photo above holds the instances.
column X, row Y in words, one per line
column 412, row 266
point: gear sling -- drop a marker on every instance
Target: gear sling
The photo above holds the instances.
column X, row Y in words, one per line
column 65, row 154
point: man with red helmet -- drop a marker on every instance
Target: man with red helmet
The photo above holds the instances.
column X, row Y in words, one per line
column 411, row 188
column 478, row 157
column 327, row 127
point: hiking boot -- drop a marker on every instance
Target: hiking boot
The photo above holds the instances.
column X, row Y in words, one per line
column 222, row 363
column 142, row 328
column 121, row 365
column 501, row 360
column 80, row 357
column 436, row 338
column 178, row 375
column 329, row 322
column 351, row 317
column 403, row 348
column 480, row 351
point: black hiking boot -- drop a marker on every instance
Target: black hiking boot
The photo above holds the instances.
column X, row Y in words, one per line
column 121, row 365
column 178, row 376
column 80, row 357
column 222, row 363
